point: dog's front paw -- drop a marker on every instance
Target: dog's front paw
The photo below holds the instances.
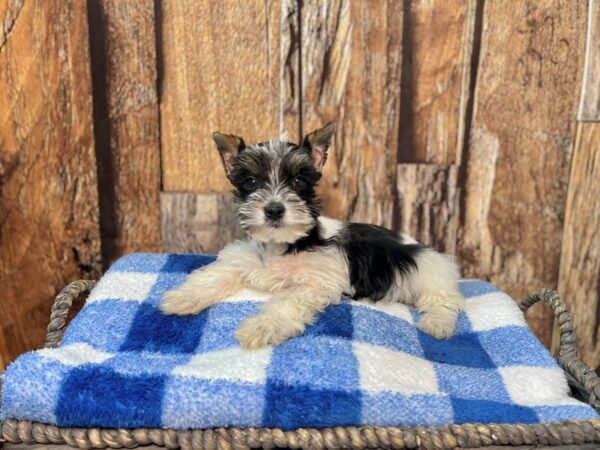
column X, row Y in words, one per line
column 437, row 325
column 182, row 302
column 260, row 331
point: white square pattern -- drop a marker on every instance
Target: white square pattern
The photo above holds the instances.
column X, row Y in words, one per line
column 384, row 370
column 128, row 286
column 536, row 386
column 75, row 354
column 493, row 310
column 233, row 364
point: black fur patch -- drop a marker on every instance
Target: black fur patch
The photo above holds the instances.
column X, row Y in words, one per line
column 249, row 164
column 297, row 164
column 374, row 254
column 309, row 242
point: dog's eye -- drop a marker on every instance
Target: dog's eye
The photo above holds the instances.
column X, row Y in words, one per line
column 299, row 183
column 250, row 184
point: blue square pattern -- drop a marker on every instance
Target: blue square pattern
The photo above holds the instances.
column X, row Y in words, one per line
column 476, row 288
column 462, row 349
column 153, row 331
column 97, row 395
column 140, row 262
column 334, row 321
column 125, row 364
column 471, row 383
column 488, row 411
column 515, row 346
column 186, row 263
column 392, row 332
column 199, row 403
column 103, row 325
column 302, row 389
column 222, row 320
column 309, row 361
column 42, row 379
column 391, row 409
column 301, row 406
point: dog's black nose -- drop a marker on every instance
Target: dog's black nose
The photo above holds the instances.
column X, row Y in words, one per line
column 274, row 211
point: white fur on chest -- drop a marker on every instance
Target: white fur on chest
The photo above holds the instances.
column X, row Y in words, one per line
column 269, row 268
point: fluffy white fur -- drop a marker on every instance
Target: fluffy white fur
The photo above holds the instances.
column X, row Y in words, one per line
column 307, row 282
column 303, row 284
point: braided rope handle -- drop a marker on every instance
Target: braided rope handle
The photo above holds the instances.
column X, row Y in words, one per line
column 60, row 309
column 567, row 353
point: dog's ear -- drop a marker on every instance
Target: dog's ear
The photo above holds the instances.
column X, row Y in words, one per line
column 229, row 147
column 318, row 142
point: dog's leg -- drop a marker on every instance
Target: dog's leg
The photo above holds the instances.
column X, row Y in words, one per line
column 438, row 297
column 206, row 286
column 285, row 315
column 202, row 289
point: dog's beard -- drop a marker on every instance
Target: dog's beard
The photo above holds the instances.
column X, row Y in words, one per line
column 297, row 221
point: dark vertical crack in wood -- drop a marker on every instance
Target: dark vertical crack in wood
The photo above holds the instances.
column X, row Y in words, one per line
column 300, row 80
column 462, row 170
column 407, row 153
column 158, row 20
column 104, row 161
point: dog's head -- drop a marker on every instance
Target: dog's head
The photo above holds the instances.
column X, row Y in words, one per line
column 275, row 183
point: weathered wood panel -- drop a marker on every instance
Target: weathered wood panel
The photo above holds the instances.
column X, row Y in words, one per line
column 579, row 279
column 436, row 68
column 589, row 107
column 221, row 74
column 48, row 194
column 202, row 223
column 126, row 124
column 351, row 55
column 520, row 146
column 428, row 204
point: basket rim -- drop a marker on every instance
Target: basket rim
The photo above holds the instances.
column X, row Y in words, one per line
column 445, row 437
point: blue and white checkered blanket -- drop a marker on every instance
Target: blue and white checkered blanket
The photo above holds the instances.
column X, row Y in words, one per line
column 124, row 364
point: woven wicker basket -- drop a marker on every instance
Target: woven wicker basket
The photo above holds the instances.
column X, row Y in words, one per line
column 582, row 379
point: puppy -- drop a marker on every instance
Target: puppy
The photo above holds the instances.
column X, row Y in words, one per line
column 307, row 261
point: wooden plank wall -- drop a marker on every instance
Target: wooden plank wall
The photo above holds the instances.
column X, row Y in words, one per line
column 126, row 124
column 250, row 88
column 351, row 62
column 579, row 275
column 470, row 124
column 49, row 231
column 520, row 145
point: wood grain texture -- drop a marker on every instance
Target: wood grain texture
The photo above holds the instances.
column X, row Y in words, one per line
column 200, row 223
column 49, row 231
column 436, row 68
column 520, row 146
column 220, row 73
column 579, row 277
column 428, row 204
column 126, row 124
column 351, row 55
column 589, row 104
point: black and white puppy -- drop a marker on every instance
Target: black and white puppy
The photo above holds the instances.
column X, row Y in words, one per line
column 306, row 261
